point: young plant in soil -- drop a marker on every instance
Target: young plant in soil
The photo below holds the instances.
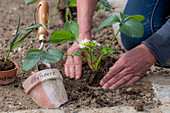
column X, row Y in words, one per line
column 130, row 25
column 5, row 63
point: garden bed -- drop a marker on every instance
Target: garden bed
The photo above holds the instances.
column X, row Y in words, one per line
column 83, row 93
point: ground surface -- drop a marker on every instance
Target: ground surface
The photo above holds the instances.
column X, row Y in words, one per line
column 84, row 93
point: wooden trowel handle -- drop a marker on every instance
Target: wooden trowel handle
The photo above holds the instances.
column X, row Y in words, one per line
column 43, row 11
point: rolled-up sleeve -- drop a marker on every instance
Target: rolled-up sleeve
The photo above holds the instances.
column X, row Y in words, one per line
column 159, row 44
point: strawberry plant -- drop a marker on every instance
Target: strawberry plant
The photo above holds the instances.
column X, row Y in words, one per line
column 130, row 25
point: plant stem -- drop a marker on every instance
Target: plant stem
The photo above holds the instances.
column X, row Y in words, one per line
column 48, row 47
column 79, row 56
column 91, row 60
column 51, row 17
column 83, row 58
column 76, row 55
column 97, row 14
column 68, row 13
column 87, row 57
column 114, row 37
column 77, row 42
column 7, row 55
column 67, row 54
column 98, row 61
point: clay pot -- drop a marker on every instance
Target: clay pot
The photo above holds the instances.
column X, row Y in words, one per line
column 7, row 77
column 46, row 88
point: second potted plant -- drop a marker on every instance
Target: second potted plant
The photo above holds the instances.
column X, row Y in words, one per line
column 8, row 68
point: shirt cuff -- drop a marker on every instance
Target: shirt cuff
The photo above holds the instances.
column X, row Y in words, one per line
column 158, row 47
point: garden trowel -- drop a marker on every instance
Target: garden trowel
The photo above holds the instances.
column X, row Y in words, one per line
column 43, row 10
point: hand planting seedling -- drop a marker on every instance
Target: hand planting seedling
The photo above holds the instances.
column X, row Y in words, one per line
column 130, row 25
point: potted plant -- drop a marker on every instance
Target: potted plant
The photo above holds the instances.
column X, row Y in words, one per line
column 8, row 68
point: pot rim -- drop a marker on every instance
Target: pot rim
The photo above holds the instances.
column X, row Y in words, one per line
column 28, row 87
column 16, row 67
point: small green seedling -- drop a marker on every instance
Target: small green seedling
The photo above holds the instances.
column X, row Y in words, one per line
column 130, row 25
column 102, row 5
column 16, row 43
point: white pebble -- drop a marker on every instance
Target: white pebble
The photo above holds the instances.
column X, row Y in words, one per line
column 19, row 49
column 19, row 103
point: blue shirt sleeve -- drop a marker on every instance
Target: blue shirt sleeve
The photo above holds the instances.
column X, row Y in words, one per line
column 159, row 44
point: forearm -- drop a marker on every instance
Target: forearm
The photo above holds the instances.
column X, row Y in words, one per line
column 85, row 11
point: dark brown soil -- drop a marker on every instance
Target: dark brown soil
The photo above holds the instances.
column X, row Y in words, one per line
column 42, row 66
column 87, row 93
column 83, row 93
column 139, row 106
column 8, row 65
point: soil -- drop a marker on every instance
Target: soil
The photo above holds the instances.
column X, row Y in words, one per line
column 8, row 65
column 83, row 93
column 139, row 106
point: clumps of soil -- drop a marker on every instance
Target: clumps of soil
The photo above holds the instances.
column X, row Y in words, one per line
column 42, row 67
column 139, row 106
column 8, row 65
column 87, row 92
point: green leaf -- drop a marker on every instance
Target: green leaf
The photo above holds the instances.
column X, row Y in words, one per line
column 73, row 28
column 73, row 3
column 125, row 17
column 18, row 26
column 107, row 51
column 15, row 38
column 52, row 56
column 31, row 60
column 66, row 2
column 97, row 7
column 29, row 1
column 112, row 19
column 105, row 5
column 21, row 40
column 137, row 17
column 94, row 57
column 76, row 53
column 132, row 28
column 13, row 44
column 60, row 36
column 35, row 50
column 35, row 26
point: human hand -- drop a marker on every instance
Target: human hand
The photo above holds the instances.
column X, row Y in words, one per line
column 132, row 66
column 73, row 65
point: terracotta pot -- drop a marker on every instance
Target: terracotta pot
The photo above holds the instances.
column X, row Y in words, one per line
column 7, row 77
column 46, row 88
